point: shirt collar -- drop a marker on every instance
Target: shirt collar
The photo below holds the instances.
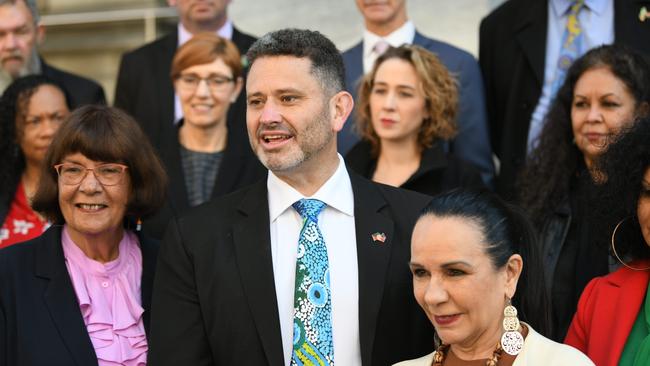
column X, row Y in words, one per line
column 225, row 31
column 400, row 36
column 336, row 193
column 561, row 7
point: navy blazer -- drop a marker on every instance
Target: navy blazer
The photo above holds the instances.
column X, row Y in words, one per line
column 472, row 143
column 40, row 320
column 215, row 269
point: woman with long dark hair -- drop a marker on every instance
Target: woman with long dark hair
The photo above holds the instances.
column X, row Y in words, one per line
column 604, row 91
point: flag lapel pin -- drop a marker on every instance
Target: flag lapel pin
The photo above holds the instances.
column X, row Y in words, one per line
column 378, row 237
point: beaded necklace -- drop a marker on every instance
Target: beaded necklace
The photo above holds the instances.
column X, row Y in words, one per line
column 441, row 353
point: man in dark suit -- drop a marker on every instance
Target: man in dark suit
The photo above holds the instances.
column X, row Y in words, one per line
column 20, row 33
column 513, row 57
column 386, row 24
column 225, row 282
column 144, row 87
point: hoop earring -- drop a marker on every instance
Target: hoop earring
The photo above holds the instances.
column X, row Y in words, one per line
column 616, row 253
column 512, row 341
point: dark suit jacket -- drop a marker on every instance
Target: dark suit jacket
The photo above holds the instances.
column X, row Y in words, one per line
column 512, row 54
column 79, row 90
column 144, row 88
column 40, row 319
column 472, row 143
column 215, row 269
column 606, row 314
column 438, row 172
column 239, row 168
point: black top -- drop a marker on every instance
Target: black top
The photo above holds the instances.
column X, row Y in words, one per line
column 581, row 256
column 200, row 169
column 438, row 172
column 239, row 167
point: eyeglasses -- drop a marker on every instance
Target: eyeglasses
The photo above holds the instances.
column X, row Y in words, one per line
column 107, row 174
column 216, row 83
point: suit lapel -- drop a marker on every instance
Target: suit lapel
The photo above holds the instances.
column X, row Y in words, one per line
column 373, row 257
column 166, row 88
column 530, row 33
column 354, row 67
column 149, row 255
column 61, row 300
column 251, row 239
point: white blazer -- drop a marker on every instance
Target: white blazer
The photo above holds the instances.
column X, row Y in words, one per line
column 538, row 351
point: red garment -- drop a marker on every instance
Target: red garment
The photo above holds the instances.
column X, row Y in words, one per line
column 606, row 313
column 21, row 223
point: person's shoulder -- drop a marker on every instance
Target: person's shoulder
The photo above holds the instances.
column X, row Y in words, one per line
column 442, row 48
column 422, row 361
column 352, row 53
column 506, row 11
column 72, row 82
column 539, row 350
column 399, row 198
column 17, row 258
column 153, row 48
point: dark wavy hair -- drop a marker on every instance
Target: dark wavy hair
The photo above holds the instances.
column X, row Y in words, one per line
column 545, row 181
column 507, row 231
column 13, row 107
column 109, row 135
column 623, row 166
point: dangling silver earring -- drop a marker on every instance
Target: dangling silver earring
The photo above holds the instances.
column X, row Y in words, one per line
column 511, row 341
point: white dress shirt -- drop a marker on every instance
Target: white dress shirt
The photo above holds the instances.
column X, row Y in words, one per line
column 597, row 24
column 183, row 36
column 402, row 35
column 336, row 222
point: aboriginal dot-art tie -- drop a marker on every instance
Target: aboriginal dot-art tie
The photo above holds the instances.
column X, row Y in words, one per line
column 571, row 45
column 312, row 302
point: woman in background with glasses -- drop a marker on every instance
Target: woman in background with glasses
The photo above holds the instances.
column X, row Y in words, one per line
column 80, row 293
column 31, row 110
column 203, row 157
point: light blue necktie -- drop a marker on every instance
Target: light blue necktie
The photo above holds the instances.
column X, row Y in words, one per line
column 312, row 302
column 571, row 45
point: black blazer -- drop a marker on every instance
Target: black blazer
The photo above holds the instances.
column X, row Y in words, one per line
column 512, row 54
column 215, row 269
column 239, row 168
column 144, row 87
column 438, row 172
column 80, row 91
column 40, row 319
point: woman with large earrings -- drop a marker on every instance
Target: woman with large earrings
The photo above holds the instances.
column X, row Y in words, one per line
column 604, row 91
column 477, row 276
column 611, row 325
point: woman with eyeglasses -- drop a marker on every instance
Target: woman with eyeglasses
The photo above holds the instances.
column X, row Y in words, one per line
column 80, row 293
column 31, row 110
column 204, row 158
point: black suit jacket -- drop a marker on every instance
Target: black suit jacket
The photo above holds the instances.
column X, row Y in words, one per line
column 512, row 53
column 40, row 319
column 144, row 88
column 79, row 90
column 239, row 167
column 214, row 293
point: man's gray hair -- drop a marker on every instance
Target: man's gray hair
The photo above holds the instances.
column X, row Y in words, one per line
column 31, row 5
column 326, row 60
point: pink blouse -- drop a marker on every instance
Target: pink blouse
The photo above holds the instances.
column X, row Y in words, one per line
column 110, row 301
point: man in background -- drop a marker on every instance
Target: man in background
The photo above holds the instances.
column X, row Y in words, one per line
column 20, row 34
column 386, row 24
column 144, row 87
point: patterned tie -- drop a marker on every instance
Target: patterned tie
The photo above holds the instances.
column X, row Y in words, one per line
column 571, row 45
column 312, row 303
